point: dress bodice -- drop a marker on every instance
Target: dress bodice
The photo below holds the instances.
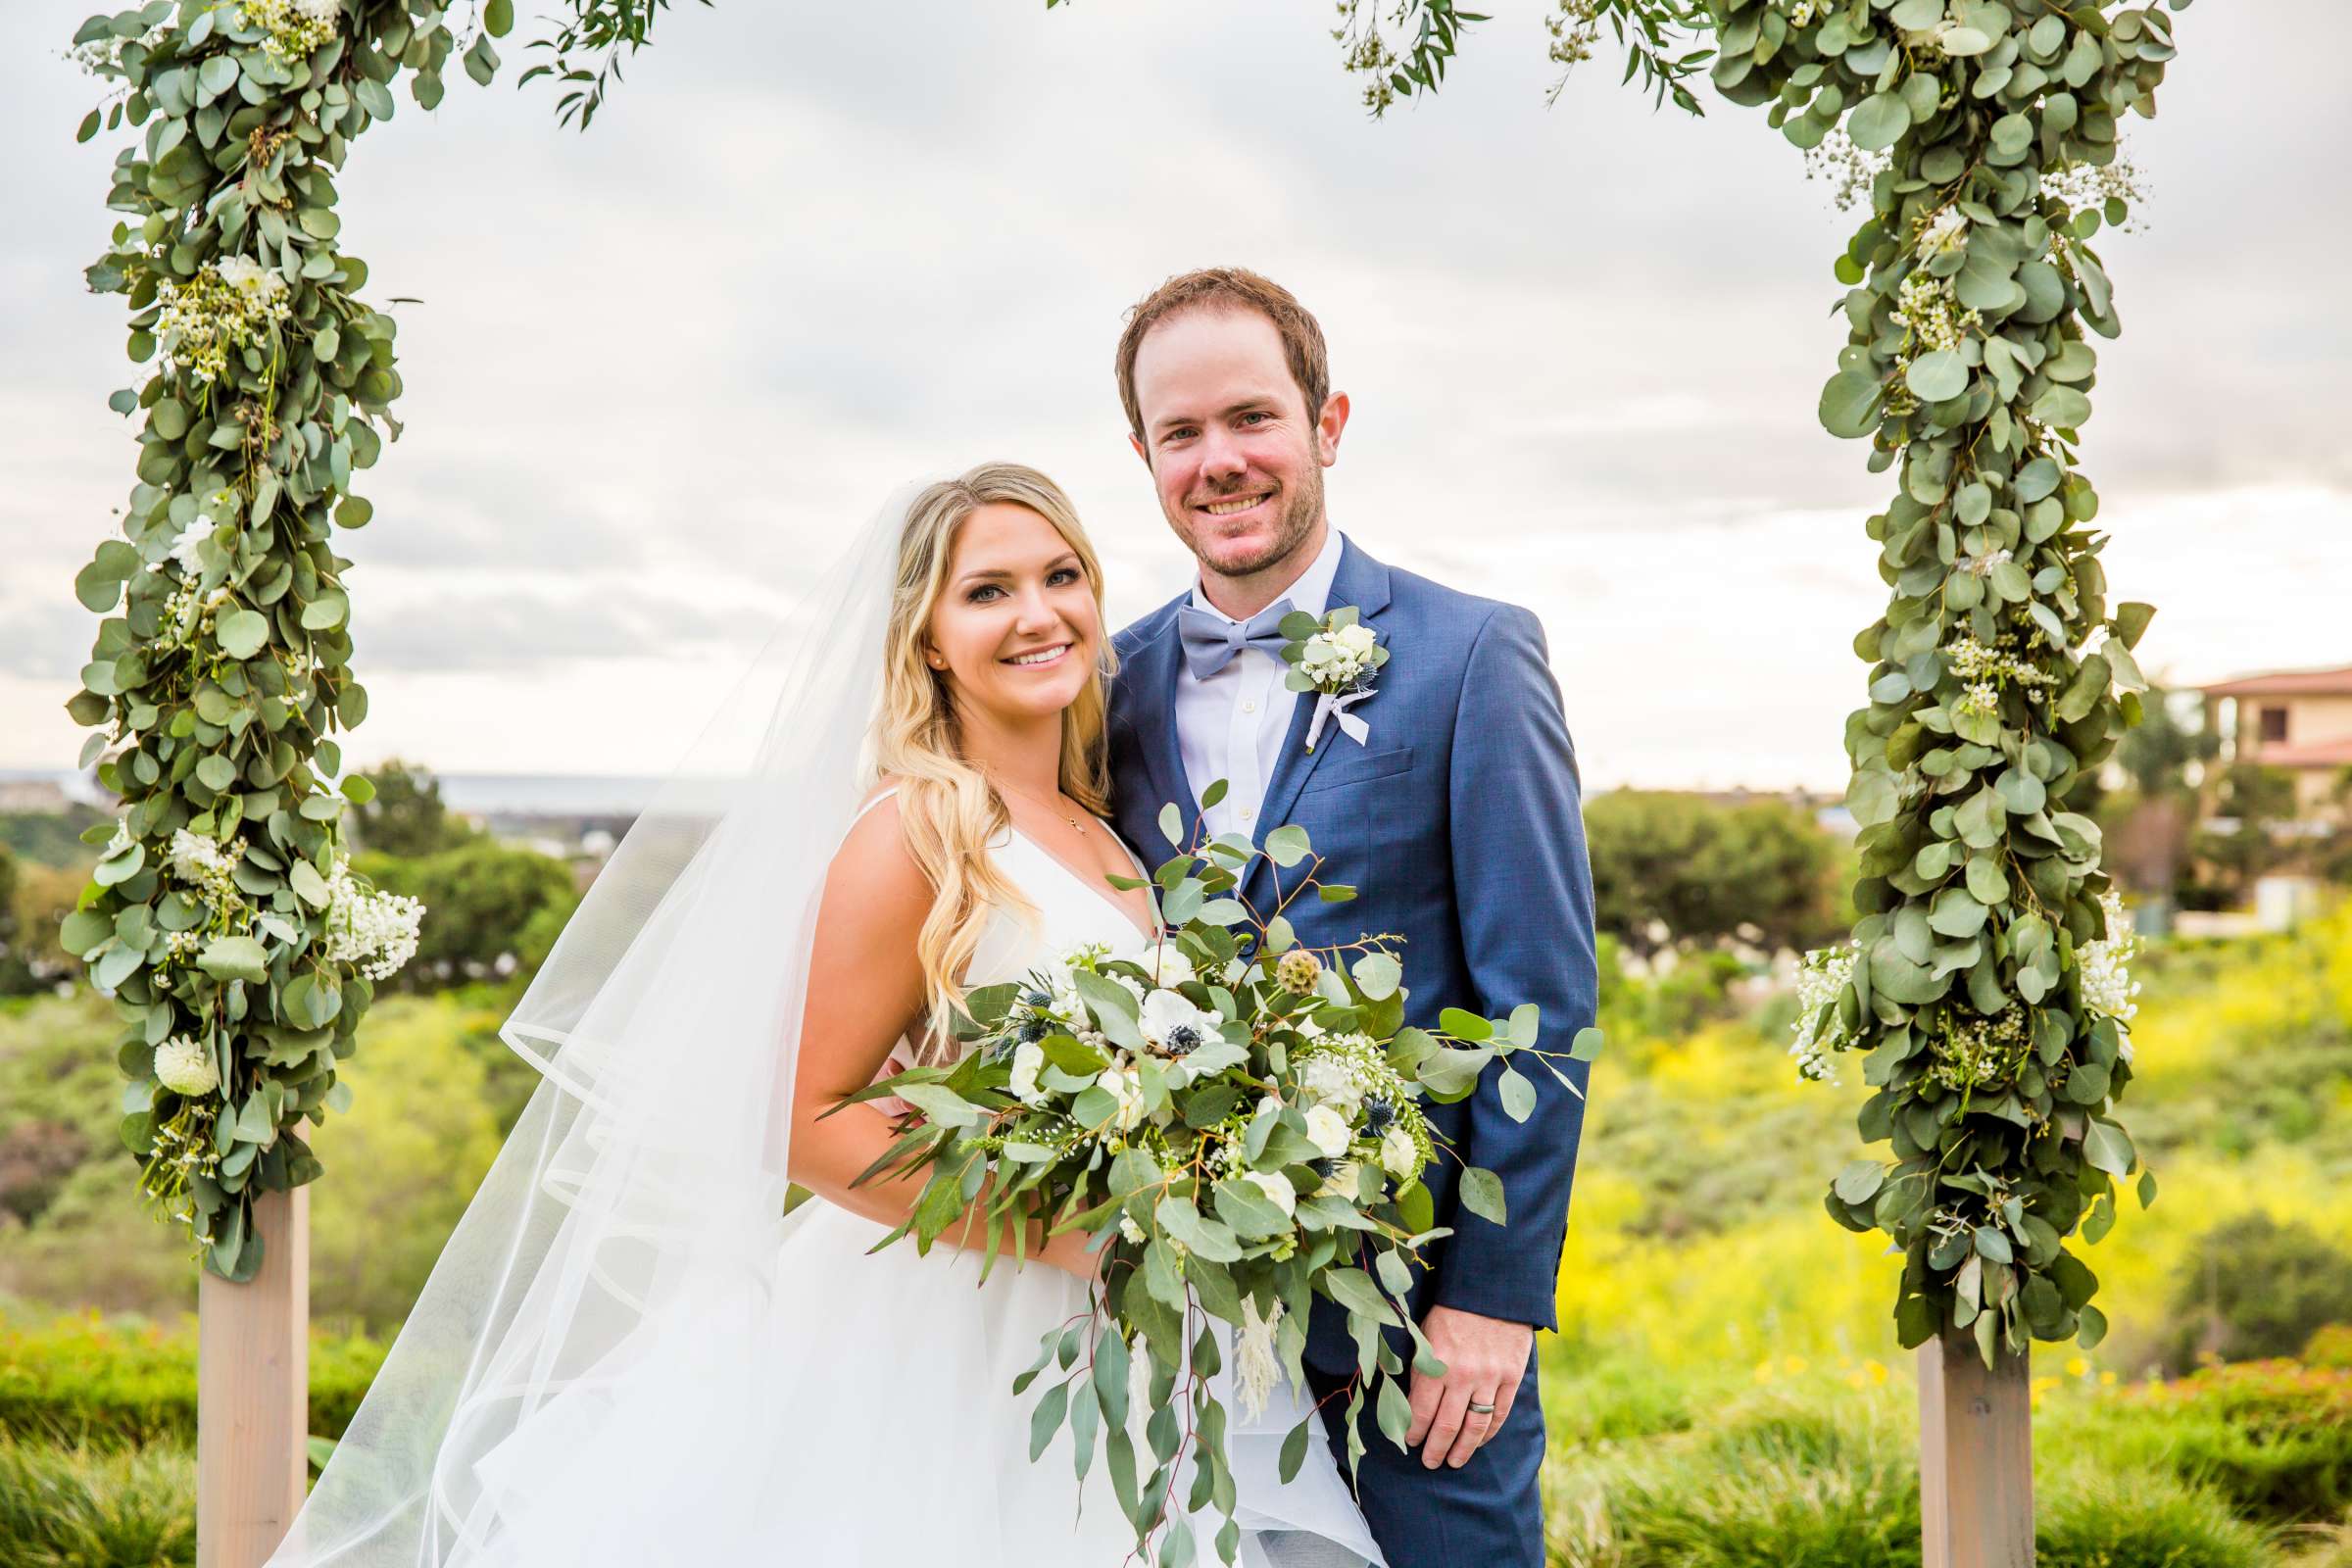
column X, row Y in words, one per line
column 1066, row 910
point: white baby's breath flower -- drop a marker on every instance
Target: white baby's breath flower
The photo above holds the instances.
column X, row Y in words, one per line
column 1284, row 1195
column 1327, row 1131
column 1131, row 1230
column 184, row 1066
column 1397, row 1154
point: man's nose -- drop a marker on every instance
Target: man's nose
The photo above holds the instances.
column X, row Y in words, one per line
column 1221, row 457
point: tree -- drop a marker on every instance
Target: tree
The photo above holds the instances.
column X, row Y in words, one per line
column 1670, row 868
column 405, row 817
column 490, row 902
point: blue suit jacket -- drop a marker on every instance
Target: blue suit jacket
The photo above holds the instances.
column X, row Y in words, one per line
column 1458, row 825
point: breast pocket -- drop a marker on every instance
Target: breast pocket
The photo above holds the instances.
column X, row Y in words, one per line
column 1356, row 806
column 1353, row 765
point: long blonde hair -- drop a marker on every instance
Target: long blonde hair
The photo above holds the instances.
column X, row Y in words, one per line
column 948, row 809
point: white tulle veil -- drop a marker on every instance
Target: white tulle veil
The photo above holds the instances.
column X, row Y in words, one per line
column 596, row 1310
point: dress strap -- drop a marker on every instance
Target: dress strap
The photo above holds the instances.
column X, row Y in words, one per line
column 870, row 805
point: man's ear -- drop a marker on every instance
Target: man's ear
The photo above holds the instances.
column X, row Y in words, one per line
column 1137, row 442
column 1328, row 429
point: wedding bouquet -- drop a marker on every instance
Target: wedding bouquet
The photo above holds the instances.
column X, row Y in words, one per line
column 1236, row 1120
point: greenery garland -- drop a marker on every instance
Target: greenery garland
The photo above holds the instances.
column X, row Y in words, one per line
column 1985, row 979
column 223, row 917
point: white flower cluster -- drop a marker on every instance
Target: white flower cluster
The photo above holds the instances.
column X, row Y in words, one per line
column 294, row 28
column 182, row 550
column 226, row 306
column 1574, row 27
column 1819, row 979
column 2080, row 187
column 1979, row 1051
column 1983, row 670
column 103, row 57
column 1931, row 308
column 1800, row 14
column 371, row 928
column 185, row 1066
column 1340, row 1076
column 206, row 865
column 188, row 610
column 1334, row 661
column 2107, row 984
column 1948, row 231
column 1850, row 172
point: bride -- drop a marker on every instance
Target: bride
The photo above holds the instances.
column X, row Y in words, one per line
column 629, row 1352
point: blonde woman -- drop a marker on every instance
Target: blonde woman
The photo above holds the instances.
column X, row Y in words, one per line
column 628, row 1354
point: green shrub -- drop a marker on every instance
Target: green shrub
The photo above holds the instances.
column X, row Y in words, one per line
column 2274, row 1437
column 2254, row 1287
column 88, row 1379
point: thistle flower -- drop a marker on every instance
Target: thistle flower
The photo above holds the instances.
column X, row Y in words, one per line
column 1297, row 970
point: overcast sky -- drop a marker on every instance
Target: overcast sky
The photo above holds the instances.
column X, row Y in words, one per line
column 807, row 253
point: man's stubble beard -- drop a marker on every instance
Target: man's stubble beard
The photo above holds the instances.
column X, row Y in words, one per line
column 1302, row 506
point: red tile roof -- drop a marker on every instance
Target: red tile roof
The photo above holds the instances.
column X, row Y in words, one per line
column 2287, row 683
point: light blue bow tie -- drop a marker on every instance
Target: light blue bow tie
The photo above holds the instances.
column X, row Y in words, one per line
column 1210, row 640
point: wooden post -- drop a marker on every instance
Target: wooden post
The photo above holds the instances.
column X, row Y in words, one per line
column 1975, row 1457
column 253, row 1393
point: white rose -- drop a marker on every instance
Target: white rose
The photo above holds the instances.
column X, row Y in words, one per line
column 1169, row 967
column 1028, row 1060
column 1354, row 641
column 1331, row 1081
column 1397, row 1155
column 1329, row 1130
column 1125, row 1087
column 1285, row 1197
column 185, row 1067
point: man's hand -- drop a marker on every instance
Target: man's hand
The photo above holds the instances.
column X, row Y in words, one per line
column 1485, row 1358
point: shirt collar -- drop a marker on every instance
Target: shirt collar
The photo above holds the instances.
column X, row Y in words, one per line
column 1311, row 592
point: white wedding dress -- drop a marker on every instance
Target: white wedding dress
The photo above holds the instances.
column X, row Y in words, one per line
column 884, row 1430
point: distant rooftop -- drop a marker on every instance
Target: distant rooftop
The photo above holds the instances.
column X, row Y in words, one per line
column 2286, row 683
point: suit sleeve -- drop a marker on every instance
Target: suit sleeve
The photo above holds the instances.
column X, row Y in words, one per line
column 1523, row 888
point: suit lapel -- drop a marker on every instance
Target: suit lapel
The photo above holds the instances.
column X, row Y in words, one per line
column 1153, row 674
column 1360, row 581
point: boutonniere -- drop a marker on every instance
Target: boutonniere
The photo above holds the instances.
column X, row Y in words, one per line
column 1333, row 657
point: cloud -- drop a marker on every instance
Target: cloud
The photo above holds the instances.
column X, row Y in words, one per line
column 663, row 368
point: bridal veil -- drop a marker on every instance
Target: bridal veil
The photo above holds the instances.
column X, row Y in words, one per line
column 595, row 1312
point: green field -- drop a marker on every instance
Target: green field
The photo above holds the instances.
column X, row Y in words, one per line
column 1726, row 1389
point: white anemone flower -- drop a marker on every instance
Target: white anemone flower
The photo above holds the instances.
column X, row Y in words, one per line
column 1174, row 1027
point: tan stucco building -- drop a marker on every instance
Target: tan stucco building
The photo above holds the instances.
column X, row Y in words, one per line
column 2297, row 720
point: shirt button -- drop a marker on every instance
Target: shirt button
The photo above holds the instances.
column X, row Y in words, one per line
column 1249, row 705
column 1249, row 813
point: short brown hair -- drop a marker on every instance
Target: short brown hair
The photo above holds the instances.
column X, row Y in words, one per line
column 1229, row 288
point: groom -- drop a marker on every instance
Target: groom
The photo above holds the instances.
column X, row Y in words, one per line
column 1454, row 812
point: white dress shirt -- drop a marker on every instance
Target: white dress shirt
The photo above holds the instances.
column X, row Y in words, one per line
column 1231, row 726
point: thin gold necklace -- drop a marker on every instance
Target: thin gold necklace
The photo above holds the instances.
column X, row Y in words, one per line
column 1055, row 809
